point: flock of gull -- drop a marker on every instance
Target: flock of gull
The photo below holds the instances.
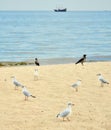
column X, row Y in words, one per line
column 24, row 89
column 65, row 113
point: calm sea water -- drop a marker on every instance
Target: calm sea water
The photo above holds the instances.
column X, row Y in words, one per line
column 48, row 34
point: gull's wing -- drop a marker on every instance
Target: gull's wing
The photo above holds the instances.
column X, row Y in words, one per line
column 64, row 113
column 26, row 93
column 103, row 80
column 17, row 83
column 74, row 85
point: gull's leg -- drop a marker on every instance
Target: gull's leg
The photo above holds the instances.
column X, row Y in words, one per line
column 63, row 119
column 15, row 87
column 101, row 84
column 25, row 98
column 76, row 89
column 36, row 77
column 68, row 119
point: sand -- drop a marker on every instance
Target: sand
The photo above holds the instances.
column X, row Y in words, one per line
column 92, row 110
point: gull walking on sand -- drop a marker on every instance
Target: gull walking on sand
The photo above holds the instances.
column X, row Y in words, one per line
column 64, row 114
column 75, row 85
column 102, row 80
column 26, row 93
column 36, row 74
column 82, row 60
column 16, row 83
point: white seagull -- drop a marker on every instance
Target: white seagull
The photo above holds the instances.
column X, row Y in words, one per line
column 75, row 85
column 66, row 112
column 102, row 80
column 26, row 93
column 16, row 83
column 36, row 74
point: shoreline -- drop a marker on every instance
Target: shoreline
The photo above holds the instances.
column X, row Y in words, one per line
column 54, row 61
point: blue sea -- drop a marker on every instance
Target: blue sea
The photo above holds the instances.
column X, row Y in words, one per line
column 25, row 35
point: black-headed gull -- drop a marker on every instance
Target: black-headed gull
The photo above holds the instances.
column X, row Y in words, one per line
column 26, row 93
column 16, row 83
column 102, row 80
column 66, row 112
column 36, row 74
column 75, row 85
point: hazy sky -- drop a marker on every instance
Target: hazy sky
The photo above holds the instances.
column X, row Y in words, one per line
column 51, row 4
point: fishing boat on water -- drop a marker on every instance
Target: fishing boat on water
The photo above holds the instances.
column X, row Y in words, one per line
column 60, row 10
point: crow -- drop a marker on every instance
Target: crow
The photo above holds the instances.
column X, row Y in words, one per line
column 36, row 62
column 82, row 60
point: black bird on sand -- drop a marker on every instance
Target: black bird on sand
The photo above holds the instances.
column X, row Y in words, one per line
column 37, row 62
column 82, row 60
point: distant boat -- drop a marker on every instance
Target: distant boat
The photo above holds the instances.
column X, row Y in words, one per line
column 60, row 10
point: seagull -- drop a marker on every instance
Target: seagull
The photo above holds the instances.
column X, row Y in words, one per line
column 36, row 62
column 66, row 112
column 102, row 80
column 26, row 93
column 82, row 60
column 75, row 85
column 16, row 83
column 36, row 74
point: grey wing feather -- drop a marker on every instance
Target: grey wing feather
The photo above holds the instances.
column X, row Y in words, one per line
column 64, row 113
column 17, row 83
column 74, row 85
column 103, row 81
column 26, row 93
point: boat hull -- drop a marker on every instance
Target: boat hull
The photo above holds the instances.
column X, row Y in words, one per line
column 60, row 10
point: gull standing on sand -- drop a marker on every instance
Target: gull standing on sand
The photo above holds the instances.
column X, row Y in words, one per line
column 16, row 83
column 36, row 74
column 66, row 112
column 75, row 85
column 102, row 80
column 82, row 60
column 26, row 93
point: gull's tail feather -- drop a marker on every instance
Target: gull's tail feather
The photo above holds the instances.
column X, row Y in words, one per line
column 33, row 96
column 107, row 82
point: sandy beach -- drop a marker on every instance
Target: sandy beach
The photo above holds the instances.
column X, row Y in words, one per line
column 92, row 110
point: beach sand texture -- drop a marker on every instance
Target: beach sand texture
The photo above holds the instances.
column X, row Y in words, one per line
column 92, row 110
